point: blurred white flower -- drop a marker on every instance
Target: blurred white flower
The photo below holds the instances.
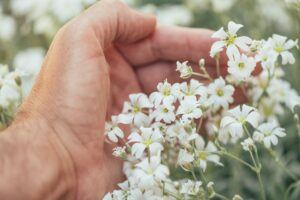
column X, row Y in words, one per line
column 247, row 144
column 27, row 64
column 268, row 133
column 174, row 15
column 271, row 9
column 190, row 187
column 45, row 25
column 10, row 91
column 184, row 157
column 230, row 40
column 22, row 7
column 8, row 27
column 148, row 139
column 222, row 5
column 66, row 9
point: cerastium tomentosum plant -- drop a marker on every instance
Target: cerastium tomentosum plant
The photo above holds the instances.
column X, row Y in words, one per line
column 185, row 127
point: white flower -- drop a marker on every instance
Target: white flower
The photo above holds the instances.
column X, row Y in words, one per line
column 266, row 56
column 174, row 15
column 108, row 196
column 206, row 153
column 279, row 89
column 237, row 117
column 164, row 112
column 268, row 133
column 174, row 130
column 184, row 69
column 10, row 91
column 222, row 5
column 113, row 131
column 230, row 40
column 65, row 9
column 220, row 93
column 293, row 99
column 119, row 152
column 190, row 187
column 149, row 139
column 184, row 157
column 45, row 25
column 241, row 67
column 281, row 46
column 187, row 90
column 189, row 108
column 8, row 27
column 133, row 110
column 150, row 172
column 247, row 144
column 165, row 94
column 28, row 63
column 237, row 197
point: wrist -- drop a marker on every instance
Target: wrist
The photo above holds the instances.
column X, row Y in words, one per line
column 34, row 163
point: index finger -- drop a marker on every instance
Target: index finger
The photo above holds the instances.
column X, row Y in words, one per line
column 171, row 44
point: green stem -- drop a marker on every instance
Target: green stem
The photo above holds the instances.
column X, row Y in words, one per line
column 194, row 175
column 257, row 171
column 218, row 65
column 261, row 185
column 281, row 165
column 293, row 185
column 257, row 165
column 237, row 159
column 201, row 75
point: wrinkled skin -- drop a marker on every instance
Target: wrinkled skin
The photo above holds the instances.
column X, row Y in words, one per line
column 94, row 63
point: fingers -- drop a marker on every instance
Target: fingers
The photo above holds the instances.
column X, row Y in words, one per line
column 150, row 75
column 123, row 81
column 112, row 21
column 172, row 44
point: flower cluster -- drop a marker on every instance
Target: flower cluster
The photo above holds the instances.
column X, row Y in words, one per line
column 188, row 126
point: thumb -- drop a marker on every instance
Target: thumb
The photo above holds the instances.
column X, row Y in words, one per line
column 113, row 21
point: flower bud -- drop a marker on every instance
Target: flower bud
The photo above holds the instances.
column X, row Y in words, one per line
column 237, row 197
column 202, row 63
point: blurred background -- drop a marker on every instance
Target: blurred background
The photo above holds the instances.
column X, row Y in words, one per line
column 28, row 26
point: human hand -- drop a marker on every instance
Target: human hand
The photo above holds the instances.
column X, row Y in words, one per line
column 93, row 64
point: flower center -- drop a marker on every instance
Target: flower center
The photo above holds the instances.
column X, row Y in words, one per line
column 136, row 109
column 202, row 155
column 267, row 133
column 166, row 92
column 165, row 110
column 241, row 65
column 220, row 92
column 148, row 142
column 242, row 120
column 279, row 48
column 231, row 38
column 149, row 171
